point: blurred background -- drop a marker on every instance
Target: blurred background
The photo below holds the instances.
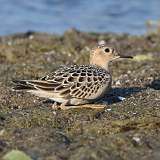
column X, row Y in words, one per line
column 57, row 16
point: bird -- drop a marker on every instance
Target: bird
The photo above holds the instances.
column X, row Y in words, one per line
column 73, row 86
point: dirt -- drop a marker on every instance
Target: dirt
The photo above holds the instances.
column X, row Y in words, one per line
column 125, row 129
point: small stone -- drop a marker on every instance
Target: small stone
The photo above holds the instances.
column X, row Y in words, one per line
column 136, row 139
column 121, row 98
column 108, row 109
column 102, row 42
column 31, row 37
column 118, row 83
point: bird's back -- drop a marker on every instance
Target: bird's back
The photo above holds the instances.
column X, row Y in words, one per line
column 84, row 81
column 87, row 82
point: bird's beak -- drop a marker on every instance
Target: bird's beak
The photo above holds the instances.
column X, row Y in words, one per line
column 121, row 56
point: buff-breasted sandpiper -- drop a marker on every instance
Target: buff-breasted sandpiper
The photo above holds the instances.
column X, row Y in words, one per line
column 75, row 85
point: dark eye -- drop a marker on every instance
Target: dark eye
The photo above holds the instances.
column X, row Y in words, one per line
column 107, row 50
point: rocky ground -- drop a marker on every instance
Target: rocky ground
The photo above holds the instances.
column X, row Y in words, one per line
column 128, row 129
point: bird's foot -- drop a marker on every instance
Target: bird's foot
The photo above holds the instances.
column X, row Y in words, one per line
column 55, row 106
column 62, row 106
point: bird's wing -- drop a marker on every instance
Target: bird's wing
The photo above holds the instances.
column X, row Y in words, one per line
column 74, row 81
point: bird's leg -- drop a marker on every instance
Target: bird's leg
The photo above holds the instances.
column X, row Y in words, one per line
column 94, row 107
column 65, row 106
column 81, row 107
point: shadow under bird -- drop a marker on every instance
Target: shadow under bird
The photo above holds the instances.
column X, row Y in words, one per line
column 76, row 85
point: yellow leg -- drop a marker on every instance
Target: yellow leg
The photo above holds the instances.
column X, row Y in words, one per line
column 64, row 106
column 80, row 107
column 93, row 107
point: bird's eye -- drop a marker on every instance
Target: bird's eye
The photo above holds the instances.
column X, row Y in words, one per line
column 107, row 50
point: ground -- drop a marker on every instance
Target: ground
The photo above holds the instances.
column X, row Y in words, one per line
column 128, row 129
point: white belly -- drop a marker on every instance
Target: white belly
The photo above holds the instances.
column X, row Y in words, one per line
column 48, row 95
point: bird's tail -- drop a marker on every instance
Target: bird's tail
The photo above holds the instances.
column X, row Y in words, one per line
column 39, row 88
column 34, row 85
column 22, row 85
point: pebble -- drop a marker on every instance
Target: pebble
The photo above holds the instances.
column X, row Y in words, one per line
column 121, row 98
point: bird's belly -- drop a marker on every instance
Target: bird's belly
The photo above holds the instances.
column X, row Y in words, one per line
column 49, row 95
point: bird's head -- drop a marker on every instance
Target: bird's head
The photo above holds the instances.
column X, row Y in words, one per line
column 103, row 55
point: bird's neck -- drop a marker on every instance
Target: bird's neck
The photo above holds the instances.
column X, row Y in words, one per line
column 106, row 68
column 100, row 62
column 103, row 66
